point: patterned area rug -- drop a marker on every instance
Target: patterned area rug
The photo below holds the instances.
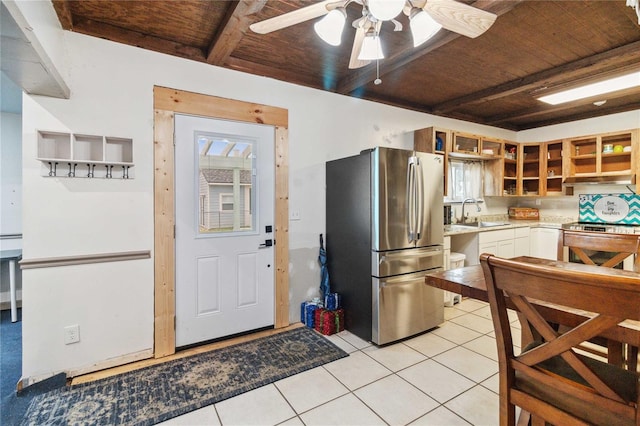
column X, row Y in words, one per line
column 160, row 392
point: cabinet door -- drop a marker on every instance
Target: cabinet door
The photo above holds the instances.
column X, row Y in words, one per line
column 534, row 242
column 492, row 147
column 489, row 247
column 544, row 242
column 466, row 143
column 521, row 246
column 505, row 248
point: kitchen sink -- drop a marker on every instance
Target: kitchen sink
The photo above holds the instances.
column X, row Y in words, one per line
column 475, row 225
column 490, row 224
column 478, row 225
column 460, row 227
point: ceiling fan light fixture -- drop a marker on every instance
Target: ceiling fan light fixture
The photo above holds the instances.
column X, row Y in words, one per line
column 423, row 26
column 385, row 10
column 371, row 48
column 330, row 28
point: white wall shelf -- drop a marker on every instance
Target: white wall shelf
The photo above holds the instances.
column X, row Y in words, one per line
column 78, row 155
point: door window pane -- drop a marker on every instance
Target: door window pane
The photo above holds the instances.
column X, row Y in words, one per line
column 226, row 177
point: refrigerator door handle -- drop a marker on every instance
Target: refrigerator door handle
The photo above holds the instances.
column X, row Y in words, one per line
column 420, row 199
column 411, row 182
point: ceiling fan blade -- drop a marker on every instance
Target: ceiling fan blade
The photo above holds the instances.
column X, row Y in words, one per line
column 354, row 62
column 459, row 17
column 291, row 18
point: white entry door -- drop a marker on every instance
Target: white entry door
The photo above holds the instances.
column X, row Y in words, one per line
column 224, row 194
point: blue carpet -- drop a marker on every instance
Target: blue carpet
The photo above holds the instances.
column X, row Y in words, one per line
column 13, row 409
column 13, row 406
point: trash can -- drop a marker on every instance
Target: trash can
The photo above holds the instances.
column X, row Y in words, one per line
column 456, row 260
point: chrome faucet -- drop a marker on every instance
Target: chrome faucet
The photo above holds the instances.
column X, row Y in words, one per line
column 470, row 200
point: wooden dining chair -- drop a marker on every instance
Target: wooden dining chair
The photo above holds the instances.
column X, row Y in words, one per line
column 622, row 246
column 549, row 379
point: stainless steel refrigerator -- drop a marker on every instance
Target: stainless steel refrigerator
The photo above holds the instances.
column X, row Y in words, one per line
column 384, row 233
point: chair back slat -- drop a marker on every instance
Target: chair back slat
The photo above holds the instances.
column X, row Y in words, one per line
column 609, row 299
column 561, row 345
column 624, row 245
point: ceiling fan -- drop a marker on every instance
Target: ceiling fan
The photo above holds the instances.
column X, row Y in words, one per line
column 426, row 17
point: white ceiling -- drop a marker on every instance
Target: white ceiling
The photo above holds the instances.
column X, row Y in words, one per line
column 23, row 62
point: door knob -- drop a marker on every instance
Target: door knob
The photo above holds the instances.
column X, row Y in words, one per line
column 267, row 243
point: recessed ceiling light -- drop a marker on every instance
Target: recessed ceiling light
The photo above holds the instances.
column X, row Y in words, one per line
column 594, row 89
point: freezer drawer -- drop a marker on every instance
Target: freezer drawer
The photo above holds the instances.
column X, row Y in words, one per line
column 388, row 263
column 403, row 306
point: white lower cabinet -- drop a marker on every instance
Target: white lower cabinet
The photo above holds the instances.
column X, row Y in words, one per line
column 505, row 242
column 499, row 242
column 499, row 248
column 544, row 243
column 521, row 242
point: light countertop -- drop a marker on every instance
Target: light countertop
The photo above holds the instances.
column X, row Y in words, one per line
column 456, row 229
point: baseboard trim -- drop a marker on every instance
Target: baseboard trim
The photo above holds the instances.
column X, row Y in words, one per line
column 111, row 363
column 87, row 369
column 5, row 306
column 109, row 372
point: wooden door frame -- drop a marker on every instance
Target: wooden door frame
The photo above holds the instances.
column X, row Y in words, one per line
column 166, row 103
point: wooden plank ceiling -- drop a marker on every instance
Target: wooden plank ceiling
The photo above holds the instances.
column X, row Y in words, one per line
column 533, row 48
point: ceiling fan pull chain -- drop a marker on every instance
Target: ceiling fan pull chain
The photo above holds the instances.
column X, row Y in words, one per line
column 377, row 81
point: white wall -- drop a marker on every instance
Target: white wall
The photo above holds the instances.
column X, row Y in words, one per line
column 112, row 94
column 610, row 123
column 10, row 173
column 10, row 195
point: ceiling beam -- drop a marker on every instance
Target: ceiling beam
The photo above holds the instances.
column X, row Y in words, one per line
column 134, row 38
column 366, row 75
column 63, row 10
column 233, row 27
column 615, row 59
column 544, row 109
column 23, row 59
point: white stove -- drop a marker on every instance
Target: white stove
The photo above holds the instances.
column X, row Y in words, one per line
column 602, row 227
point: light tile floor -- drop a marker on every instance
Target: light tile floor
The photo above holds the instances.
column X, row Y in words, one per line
column 445, row 377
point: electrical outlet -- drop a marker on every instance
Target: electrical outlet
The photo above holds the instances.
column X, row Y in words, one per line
column 538, row 202
column 71, row 334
